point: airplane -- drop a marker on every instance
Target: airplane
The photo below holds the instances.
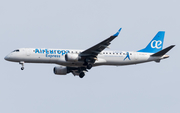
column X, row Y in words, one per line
column 78, row 62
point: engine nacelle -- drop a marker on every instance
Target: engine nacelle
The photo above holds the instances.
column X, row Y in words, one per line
column 72, row 57
column 61, row 70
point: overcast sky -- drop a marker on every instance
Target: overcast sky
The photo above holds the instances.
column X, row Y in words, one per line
column 79, row 24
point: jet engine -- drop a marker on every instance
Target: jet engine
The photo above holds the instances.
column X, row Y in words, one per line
column 61, row 70
column 72, row 57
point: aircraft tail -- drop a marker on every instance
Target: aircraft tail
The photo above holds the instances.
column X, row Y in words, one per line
column 156, row 44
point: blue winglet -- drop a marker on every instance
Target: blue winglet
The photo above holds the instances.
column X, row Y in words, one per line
column 117, row 32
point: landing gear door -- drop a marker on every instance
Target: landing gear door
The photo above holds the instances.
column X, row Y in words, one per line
column 75, row 72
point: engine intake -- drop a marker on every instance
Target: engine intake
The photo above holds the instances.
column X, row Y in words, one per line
column 61, row 70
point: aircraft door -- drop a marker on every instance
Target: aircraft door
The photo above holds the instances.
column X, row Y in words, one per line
column 28, row 52
column 136, row 55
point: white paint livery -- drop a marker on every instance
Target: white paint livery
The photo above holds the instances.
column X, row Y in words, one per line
column 80, row 61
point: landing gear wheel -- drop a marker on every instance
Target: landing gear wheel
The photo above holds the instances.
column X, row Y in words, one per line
column 81, row 75
column 22, row 68
column 89, row 66
column 22, row 63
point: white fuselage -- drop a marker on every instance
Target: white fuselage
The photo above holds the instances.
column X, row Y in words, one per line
column 57, row 56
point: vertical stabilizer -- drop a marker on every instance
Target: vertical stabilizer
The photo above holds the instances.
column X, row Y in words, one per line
column 156, row 44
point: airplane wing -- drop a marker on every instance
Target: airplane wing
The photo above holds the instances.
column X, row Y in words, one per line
column 95, row 50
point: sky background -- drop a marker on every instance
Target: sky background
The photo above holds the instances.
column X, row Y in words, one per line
column 79, row 24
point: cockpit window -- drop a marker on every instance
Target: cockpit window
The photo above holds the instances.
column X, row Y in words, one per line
column 17, row 50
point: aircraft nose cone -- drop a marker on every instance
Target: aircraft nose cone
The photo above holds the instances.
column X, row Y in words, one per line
column 6, row 57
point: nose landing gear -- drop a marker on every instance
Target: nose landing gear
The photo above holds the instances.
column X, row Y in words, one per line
column 22, row 68
column 22, row 63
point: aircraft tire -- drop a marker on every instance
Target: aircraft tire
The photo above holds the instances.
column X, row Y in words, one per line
column 22, row 68
column 81, row 75
column 89, row 66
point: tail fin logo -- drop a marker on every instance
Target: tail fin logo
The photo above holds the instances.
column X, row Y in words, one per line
column 156, row 44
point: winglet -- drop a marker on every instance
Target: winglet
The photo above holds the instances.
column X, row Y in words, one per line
column 117, row 33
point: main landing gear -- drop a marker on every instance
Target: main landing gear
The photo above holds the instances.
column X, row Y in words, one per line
column 81, row 75
column 22, row 63
column 81, row 72
column 89, row 66
column 87, row 63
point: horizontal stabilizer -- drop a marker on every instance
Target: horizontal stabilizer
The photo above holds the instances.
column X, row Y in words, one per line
column 164, row 51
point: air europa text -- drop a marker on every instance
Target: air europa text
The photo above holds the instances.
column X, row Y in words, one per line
column 46, row 51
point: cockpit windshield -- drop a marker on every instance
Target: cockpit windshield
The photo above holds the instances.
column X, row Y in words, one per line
column 17, row 50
